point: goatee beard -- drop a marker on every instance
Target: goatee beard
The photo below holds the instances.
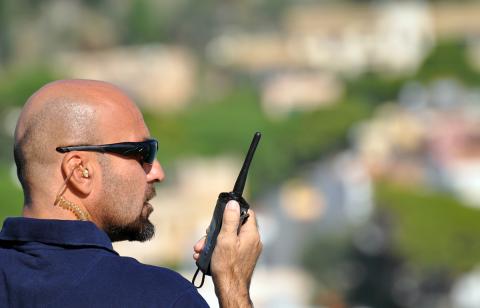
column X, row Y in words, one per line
column 140, row 230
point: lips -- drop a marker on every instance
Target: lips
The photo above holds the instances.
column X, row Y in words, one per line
column 150, row 193
column 148, row 208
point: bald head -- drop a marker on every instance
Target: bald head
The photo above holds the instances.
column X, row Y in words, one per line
column 66, row 112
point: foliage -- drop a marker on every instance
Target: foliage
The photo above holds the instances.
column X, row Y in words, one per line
column 325, row 255
column 142, row 24
column 448, row 60
column 361, row 278
column 11, row 194
column 374, row 88
column 432, row 229
column 16, row 85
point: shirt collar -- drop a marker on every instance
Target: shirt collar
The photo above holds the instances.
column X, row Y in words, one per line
column 58, row 232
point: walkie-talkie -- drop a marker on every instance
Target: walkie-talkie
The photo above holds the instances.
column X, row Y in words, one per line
column 205, row 257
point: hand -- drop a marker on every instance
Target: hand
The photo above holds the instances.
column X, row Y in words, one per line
column 234, row 257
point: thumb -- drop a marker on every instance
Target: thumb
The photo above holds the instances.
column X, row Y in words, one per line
column 231, row 218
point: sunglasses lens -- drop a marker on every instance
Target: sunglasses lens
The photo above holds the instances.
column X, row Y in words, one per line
column 150, row 153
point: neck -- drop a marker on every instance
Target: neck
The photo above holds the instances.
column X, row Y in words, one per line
column 79, row 213
column 46, row 209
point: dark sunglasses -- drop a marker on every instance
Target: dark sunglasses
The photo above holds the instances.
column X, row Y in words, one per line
column 145, row 150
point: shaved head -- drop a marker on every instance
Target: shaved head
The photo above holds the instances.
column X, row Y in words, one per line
column 64, row 112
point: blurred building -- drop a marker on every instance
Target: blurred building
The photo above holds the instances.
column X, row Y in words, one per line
column 390, row 143
column 455, row 19
column 350, row 39
column 347, row 39
column 38, row 31
column 431, row 138
column 159, row 77
column 455, row 146
column 287, row 92
column 466, row 291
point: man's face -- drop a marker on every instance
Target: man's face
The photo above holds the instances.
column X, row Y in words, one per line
column 126, row 184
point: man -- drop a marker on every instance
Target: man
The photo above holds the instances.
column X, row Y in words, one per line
column 87, row 165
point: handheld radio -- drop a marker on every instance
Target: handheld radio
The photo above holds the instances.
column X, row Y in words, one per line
column 203, row 262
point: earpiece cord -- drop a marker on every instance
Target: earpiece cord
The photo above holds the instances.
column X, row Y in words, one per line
column 64, row 185
column 68, row 205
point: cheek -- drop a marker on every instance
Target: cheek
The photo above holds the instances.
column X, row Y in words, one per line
column 125, row 192
column 134, row 187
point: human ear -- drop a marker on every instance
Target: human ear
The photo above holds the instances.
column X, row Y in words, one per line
column 78, row 173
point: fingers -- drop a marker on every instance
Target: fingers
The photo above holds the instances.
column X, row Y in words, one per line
column 231, row 219
column 249, row 233
column 251, row 224
column 199, row 245
column 198, row 248
column 196, row 256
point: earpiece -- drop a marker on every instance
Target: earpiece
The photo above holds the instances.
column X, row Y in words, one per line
column 85, row 172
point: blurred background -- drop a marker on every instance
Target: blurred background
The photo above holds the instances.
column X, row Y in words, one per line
column 367, row 179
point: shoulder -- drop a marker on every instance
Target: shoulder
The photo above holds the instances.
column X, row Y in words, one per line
column 136, row 272
column 148, row 282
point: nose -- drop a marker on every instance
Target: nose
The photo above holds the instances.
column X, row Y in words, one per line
column 155, row 172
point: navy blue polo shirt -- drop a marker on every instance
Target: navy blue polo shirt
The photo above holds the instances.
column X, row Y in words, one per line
column 62, row 263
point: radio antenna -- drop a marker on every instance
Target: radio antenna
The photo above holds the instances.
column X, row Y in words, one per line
column 242, row 177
